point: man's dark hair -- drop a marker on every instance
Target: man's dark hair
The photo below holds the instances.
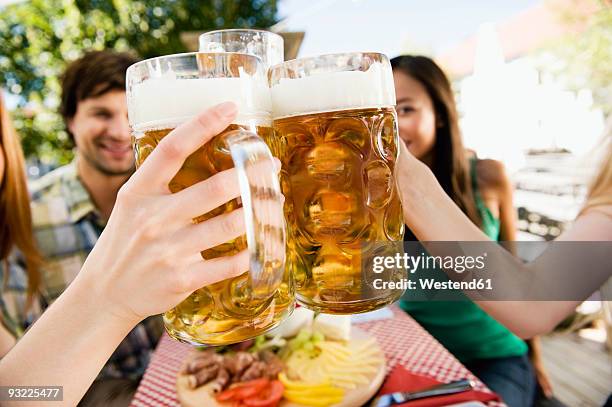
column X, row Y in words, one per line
column 92, row 75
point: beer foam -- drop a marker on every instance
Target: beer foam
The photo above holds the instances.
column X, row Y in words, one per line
column 333, row 91
column 168, row 101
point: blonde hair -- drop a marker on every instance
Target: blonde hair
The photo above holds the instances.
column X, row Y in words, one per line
column 15, row 217
column 600, row 192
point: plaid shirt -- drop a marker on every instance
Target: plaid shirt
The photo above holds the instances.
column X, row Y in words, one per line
column 66, row 226
column 15, row 314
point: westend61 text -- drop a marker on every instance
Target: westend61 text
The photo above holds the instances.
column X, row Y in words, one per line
column 457, row 263
column 432, row 284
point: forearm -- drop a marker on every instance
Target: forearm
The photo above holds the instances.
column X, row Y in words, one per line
column 429, row 212
column 73, row 332
column 535, row 349
column 527, row 319
column 7, row 341
column 433, row 216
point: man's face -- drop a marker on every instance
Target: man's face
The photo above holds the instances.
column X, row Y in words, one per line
column 102, row 135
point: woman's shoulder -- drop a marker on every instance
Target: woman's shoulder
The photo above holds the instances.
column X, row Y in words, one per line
column 492, row 174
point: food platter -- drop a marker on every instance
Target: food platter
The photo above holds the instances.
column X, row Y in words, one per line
column 358, row 395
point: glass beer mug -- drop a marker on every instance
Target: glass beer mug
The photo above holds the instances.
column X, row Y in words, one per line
column 264, row 44
column 335, row 132
column 162, row 93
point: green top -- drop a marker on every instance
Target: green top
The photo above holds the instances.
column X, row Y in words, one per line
column 462, row 326
column 491, row 226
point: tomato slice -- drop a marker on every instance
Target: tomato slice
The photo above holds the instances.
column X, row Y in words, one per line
column 241, row 390
column 268, row 398
column 227, row 395
column 252, row 389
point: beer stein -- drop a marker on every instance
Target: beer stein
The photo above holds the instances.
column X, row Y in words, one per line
column 164, row 92
column 264, row 44
column 335, row 132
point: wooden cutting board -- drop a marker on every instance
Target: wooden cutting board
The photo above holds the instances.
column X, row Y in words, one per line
column 355, row 397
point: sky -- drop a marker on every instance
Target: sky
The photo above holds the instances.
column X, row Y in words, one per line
column 391, row 26
column 386, row 26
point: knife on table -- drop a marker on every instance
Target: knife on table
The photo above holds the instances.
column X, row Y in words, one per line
column 390, row 399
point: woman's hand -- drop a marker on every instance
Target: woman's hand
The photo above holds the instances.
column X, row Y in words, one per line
column 419, row 191
column 535, row 355
column 146, row 261
column 148, row 258
column 543, row 379
column 429, row 213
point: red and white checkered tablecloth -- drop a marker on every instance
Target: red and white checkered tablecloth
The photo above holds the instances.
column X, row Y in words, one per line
column 402, row 340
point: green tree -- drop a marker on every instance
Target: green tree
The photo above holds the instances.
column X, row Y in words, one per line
column 38, row 38
column 585, row 56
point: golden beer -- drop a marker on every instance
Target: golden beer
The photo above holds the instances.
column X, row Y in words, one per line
column 341, row 201
column 235, row 309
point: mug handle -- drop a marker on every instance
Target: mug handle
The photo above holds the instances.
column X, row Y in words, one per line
column 262, row 202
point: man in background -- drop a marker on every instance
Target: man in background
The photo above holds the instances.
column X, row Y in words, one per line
column 72, row 204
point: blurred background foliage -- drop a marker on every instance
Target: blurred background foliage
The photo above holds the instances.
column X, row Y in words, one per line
column 39, row 37
column 586, row 59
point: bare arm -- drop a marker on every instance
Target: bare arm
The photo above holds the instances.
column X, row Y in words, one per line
column 7, row 341
column 507, row 213
column 537, row 361
column 142, row 265
column 497, row 192
column 433, row 216
column 75, row 328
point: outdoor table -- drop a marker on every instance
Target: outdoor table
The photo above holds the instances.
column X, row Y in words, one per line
column 401, row 338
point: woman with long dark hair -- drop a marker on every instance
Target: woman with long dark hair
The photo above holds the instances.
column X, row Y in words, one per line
column 428, row 126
